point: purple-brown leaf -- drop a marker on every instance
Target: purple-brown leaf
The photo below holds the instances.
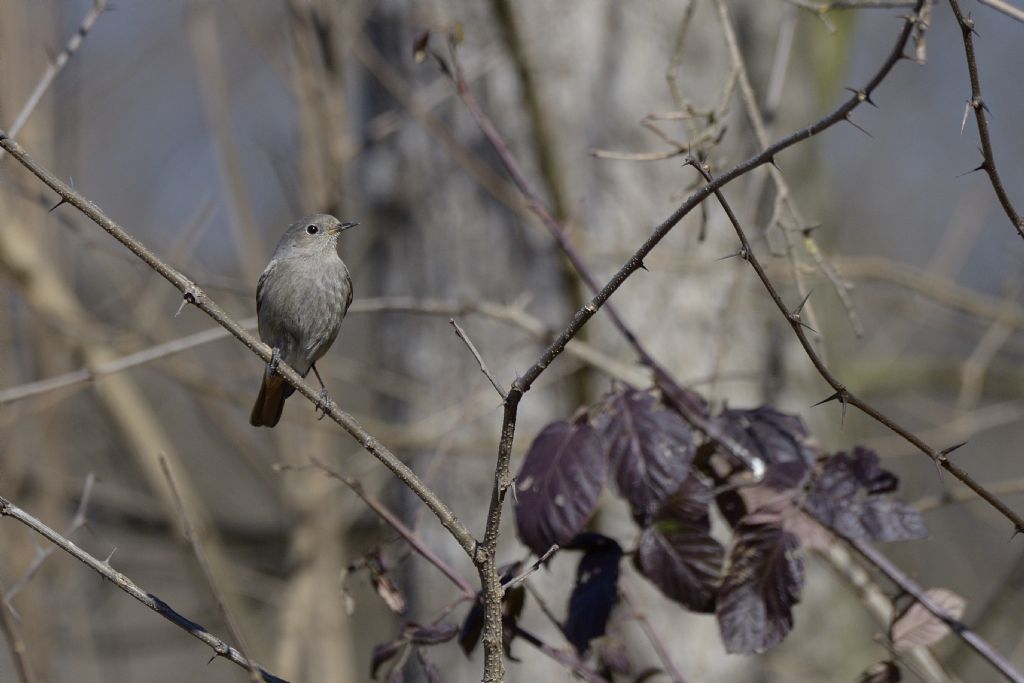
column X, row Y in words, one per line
column 847, row 496
column 559, row 484
column 596, row 591
column 650, row 449
column 779, row 439
column 677, row 552
column 763, row 582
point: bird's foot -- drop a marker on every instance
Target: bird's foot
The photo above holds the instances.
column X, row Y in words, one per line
column 323, row 404
column 275, row 360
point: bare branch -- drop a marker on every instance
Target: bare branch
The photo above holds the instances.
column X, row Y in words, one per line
column 77, row 522
column 55, row 67
column 211, row 580
column 978, row 105
column 395, row 523
column 842, row 393
column 16, row 644
column 479, row 359
column 103, row 568
column 1006, row 8
column 196, row 296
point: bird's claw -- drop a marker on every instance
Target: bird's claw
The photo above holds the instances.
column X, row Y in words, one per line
column 323, row 404
column 275, row 360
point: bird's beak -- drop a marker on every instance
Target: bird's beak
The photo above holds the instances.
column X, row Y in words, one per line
column 342, row 227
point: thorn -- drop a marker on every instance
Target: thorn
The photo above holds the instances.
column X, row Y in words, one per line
column 515, row 496
column 963, row 121
column 979, row 167
column 643, row 266
column 950, row 449
column 110, row 556
column 57, row 205
column 838, row 396
column 741, row 253
column 771, row 160
column 862, row 96
column 210, row 661
column 858, row 127
column 803, row 303
column 188, row 298
column 806, row 326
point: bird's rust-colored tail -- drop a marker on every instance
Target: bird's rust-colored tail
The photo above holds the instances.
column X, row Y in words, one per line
column 270, row 403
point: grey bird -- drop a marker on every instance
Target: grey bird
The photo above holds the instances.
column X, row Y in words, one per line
column 301, row 299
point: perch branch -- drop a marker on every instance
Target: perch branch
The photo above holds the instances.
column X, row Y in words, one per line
column 196, row 296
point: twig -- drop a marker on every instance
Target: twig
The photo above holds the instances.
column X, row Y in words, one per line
column 484, row 557
column 395, row 523
column 16, row 644
column 903, row 582
column 1006, row 8
column 77, row 522
column 567, row 660
column 842, row 393
column 479, row 359
column 103, row 568
column 652, row 636
column 509, row 314
column 211, row 580
column 976, row 103
column 196, row 296
column 516, row 580
column 55, row 67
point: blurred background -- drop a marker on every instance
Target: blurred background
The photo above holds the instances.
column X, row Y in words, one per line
column 205, row 128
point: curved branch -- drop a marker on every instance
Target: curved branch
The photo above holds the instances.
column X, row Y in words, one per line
column 976, row 103
column 194, row 295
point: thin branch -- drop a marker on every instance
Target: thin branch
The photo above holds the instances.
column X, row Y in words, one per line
column 395, row 523
column 211, row 580
column 513, row 315
column 55, row 67
column 976, row 103
column 77, row 522
column 652, row 636
column 1006, row 8
column 196, row 296
column 484, row 558
column 479, row 359
column 516, row 580
column 842, row 393
column 904, row 583
column 16, row 644
column 103, row 568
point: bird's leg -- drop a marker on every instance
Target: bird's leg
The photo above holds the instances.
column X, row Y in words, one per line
column 323, row 402
column 275, row 360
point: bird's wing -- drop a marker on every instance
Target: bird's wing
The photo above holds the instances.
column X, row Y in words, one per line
column 263, row 279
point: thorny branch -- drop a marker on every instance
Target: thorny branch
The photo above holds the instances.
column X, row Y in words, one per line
column 941, row 457
column 55, row 67
column 194, row 295
column 211, row 579
column 842, row 393
column 103, row 568
column 976, row 103
column 485, row 557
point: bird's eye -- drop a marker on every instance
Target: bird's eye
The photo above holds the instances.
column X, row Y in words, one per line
column 312, row 229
